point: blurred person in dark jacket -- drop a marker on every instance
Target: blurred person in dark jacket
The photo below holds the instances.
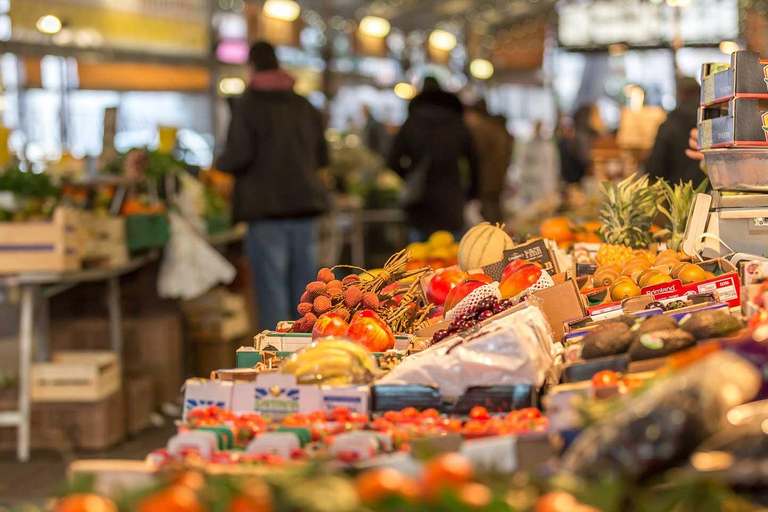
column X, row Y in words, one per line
column 494, row 152
column 435, row 155
column 668, row 158
column 375, row 136
column 274, row 148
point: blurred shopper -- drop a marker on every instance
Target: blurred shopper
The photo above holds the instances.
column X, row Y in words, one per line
column 538, row 167
column 573, row 165
column 375, row 136
column 668, row 158
column 494, row 152
column 435, row 155
column 274, row 148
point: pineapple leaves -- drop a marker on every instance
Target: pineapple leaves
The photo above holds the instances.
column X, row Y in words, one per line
column 678, row 201
column 628, row 211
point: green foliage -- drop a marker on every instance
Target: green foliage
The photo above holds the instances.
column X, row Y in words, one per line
column 678, row 206
column 28, row 184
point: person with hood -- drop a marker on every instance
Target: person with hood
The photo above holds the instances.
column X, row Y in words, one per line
column 494, row 149
column 668, row 158
column 274, row 149
column 435, row 155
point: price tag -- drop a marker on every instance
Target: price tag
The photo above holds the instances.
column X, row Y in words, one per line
column 760, row 222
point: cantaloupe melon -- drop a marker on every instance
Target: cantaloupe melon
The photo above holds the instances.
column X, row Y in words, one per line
column 483, row 245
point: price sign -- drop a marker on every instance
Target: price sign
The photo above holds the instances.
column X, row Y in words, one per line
column 535, row 250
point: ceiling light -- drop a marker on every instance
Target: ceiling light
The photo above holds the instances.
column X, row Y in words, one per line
column 231, row 86
column 728, row 47
column 374, row 26
column 405, row 91
column 48, row 24
column 481, row 68
column 285, row 10
column 442, row 40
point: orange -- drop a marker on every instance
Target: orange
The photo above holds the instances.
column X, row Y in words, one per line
column 559, row 229
column 254, row 497
column 448, row 470
column 378, row 484
column 85, row 503
column 475, row 496
column 557, row 501
column 175, row 498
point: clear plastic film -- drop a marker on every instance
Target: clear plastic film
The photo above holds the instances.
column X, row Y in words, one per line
column 514, row 349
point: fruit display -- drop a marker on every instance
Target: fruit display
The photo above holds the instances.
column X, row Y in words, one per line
column 483, row 310
column 483, row 245
column 391, row 293
column 333, row 362
column 440, row 251
column 679, row 199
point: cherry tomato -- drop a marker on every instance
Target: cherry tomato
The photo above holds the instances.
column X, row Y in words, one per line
column 604, row 378
column 409, row 414
column 430, row 413
column 479, row 413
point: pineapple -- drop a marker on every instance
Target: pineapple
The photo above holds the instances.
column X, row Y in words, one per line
column 626, row 216
column 679, row 200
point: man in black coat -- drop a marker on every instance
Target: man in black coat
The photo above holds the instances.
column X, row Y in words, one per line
column 434, row 153
column 274, row 149
column 668, row 159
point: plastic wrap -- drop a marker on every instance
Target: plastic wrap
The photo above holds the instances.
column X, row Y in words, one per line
column 513, row 349
column 661, row 426
column 470, row 302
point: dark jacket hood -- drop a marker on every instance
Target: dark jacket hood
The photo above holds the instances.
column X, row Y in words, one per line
column 435, row 100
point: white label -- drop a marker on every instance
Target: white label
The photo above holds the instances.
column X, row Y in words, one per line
column 760, row 222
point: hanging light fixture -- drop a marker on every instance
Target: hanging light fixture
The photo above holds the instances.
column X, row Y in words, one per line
column 442, row 40
column 285, row 10
column 374, row 26
column 405, row 91
column 48, row 24
column 481, row 69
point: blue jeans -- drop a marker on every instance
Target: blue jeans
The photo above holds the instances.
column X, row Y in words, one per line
column 283, row 255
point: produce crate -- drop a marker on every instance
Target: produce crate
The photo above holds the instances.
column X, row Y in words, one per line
column 149, row 231
column 40, row 246
column 139, row 402
column 217, row 317
column 102, row 240
column 63, row 426
column 76, row 377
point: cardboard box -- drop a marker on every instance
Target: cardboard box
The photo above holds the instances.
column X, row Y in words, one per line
column 202, row 393
column 102, row 240
column 76, row 376
column 561, row 303
column 745, row 77
column 742, row 122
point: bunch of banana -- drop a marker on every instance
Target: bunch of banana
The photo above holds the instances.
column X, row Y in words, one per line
column 332, row 362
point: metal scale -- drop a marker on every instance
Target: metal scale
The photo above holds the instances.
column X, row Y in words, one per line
column 723, row 223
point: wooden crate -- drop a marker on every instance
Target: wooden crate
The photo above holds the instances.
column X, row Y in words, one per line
column 65, row 426
column 217, row 317
column 102, row 239
column 40, row 246
column 139, row 402
column 77, row 376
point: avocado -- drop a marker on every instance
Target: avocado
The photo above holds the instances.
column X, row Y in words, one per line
column 607, row 339
column 659, row 344
column 710, row 324
column 652, row 324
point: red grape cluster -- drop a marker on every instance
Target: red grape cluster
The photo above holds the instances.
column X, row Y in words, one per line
column 484, row 310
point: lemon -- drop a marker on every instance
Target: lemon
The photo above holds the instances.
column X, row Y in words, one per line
column 441, row 239
column 419, row 251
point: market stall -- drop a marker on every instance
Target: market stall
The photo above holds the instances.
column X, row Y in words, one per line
column 556, row 373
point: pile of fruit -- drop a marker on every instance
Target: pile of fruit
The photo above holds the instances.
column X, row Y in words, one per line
column 391, row 293
column 440, row 251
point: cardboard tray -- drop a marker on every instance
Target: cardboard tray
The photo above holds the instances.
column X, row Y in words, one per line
column 745, row 77
column 741, row 122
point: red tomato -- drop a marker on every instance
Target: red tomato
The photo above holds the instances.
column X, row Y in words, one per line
column 393, row 416
column 340, row 414
column 475, row 429
column 530, row 413
column 479, row 413
column 430, row 413
column 409, row 414
column 604, row 378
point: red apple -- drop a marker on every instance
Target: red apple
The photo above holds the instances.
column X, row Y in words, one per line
column 515, row 266
column 367, row 329
column 520, row 281
column 442, row 283
column 458, row 293
column 329, row 324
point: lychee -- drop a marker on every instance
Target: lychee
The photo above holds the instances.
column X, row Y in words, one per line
column 351, row 279
column 315, row 289
column 305, row 297
column 304, row 308
column 343, row 313
column 309, row 322
column 298, row 325
column 322, row 305
column 325, row 275
column 335, row 284
column 370, row 300
column 352, row 297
